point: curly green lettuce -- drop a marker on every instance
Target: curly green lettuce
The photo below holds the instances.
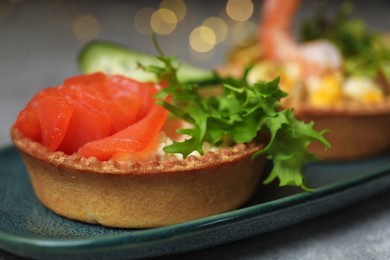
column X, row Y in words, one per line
column 238, row 115
column 365, row 52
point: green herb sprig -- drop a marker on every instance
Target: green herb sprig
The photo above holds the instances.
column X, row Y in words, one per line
column 238, row 115
column 363, row 50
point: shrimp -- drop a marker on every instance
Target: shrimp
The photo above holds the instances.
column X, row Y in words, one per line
column 278, row 44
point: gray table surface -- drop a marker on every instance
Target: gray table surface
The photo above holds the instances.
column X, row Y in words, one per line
column 38, row 49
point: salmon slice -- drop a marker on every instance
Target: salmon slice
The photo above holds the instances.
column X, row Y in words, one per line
column 95, row 114
column 84, row 126
column 46, row 118
column 133, row 139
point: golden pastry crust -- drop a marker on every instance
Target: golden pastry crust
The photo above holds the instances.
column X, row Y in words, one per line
column 356, row 131
column 141, row 195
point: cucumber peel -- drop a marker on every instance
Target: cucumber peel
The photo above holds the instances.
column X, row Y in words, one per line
column 112, row 58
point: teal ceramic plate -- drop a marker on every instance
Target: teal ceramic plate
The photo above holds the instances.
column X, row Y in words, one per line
column 28, row 229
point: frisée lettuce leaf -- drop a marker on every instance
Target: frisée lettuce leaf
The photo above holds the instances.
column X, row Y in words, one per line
column 365, row 52
column 237, row 115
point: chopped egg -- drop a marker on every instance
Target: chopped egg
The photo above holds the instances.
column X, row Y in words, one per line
column 290, row 76
column 325, row 91
column 262, row 71
column 363, row 89
column 266, row 71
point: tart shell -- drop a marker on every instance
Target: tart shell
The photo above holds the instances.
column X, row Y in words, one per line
column 354, row 132
column 130, row 194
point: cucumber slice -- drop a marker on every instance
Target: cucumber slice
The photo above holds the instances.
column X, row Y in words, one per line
column 113, row 58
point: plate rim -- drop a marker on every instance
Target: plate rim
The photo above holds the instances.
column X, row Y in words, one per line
column 137, row 238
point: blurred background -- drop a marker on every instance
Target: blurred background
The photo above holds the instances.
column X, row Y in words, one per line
column 40, row 40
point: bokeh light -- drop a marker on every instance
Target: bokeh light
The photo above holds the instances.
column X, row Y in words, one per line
column 239, row 10
column 142, row 20
column 218, row 26
column 86, row 28
column 202, row 39
column 163, row 21
column 177, row 6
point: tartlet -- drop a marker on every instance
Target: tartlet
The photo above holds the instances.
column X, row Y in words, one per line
column 353, row 106
column 109, row 149
column 354, row 132
column 131, row 194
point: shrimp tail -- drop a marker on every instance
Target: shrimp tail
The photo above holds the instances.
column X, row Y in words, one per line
column 278, row 44
column 275, row 28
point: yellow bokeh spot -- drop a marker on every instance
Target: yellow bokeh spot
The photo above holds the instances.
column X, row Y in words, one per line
column 177, row 6
column 239, row 10
column 219, row 27
column 202, row 39
column 86, row 27
column 163, row 21
column 141, row 20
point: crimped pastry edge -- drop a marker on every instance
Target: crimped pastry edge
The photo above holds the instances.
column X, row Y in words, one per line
column 141, row 195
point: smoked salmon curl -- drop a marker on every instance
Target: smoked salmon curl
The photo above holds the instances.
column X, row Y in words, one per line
column 95, row 115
